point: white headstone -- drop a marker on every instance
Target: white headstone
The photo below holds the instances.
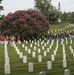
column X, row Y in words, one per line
column 31, row 45
column 45, row 53
column 41, row 43
column 45, row 44
column 64, row 63
column 70, row 41
column 38, row 45
column 35, row 43
column 21, row 55
column 55, row 30
column 26, row 48
column 33, row 54
column 26, row 41
column 64, row 56
column 50, row 46
column 49, row 65
column 40, row 39
column 29, row 51
column 67, row 72
column 7, row 60
column 39, row 58
column 29, row 40
column 23, row 46
column 42, row 73
column 32, row 41
column 38, row 50
column 54, row 52
column 66, row 41
column 48, row 49
column 72, row 51
column 24, row 59
column 7, row 69
column 42, row 47
column 18, row 51
column 6, row 54
column 34, row 47
column 52, row 57
column 30, row 67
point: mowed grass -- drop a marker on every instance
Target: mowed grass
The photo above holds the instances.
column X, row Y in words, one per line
column 61, row 26
column 19, row 68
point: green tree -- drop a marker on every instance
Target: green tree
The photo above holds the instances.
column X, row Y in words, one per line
column 68, row 17
column 72, row 17
column 64, row 17
column 1, row 7
column 47, row 9
column 44, row 6
column 2, row 17
column 53, row 15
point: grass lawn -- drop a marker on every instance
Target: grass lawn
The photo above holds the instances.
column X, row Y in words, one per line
column 19, row 68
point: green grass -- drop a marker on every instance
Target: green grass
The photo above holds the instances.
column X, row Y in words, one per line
column 56, row 27
column 19, row 68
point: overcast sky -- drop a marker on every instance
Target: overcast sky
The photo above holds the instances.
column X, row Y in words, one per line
column 14, row 5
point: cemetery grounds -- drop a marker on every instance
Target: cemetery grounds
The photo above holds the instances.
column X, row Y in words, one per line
column 17, row 67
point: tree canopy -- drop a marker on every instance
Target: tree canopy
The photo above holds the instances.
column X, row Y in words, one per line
column 44, row 6
column 47, row 9
column 25, row 23
column 1, row 7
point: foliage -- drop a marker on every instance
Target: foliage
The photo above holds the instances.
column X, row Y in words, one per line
column 2, row 17
column 25, row 23
column 44, row 6
column 47, row 9
column 1, row 7
column 68, row 17
column 53, row 15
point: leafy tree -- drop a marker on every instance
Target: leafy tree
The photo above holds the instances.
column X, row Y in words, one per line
column 1, row 7
column 25, row 23
column 72, row 17
column 2, row 17
column 47, row 9
column 64, row 17
column 44, row 6
column 53, row 15
column 68, row 17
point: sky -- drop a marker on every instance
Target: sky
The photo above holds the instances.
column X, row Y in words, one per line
column 14, row 5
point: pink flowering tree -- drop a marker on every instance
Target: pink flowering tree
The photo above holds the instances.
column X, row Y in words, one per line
column 25, row 23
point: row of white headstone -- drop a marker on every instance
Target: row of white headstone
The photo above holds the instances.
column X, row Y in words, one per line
column 39, row 56
column 49, row 66
column 54, row 52
column 71, row 49
column 30, row 65
column 64, row 55
column 53, row 55
column 64, row 29
column 7, row 64
column 37, row 43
